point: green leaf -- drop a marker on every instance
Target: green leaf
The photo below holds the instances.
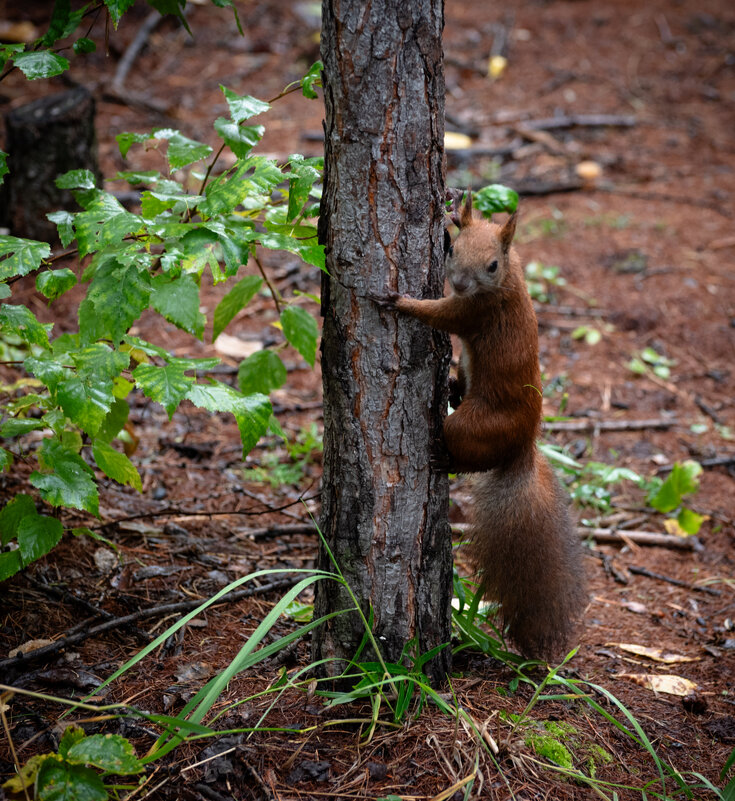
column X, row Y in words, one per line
column 64, row 225
column 262, row 372
column 252, row 412
column 683, row 480
column 37, row 535
column 116, row 465
column 100, row 362
column 6, row 460
column 76, row 179
column 690, row 521
column 166, row 385
column 241, row 139
column 117, row 8
column 236, row 299
column 301, row 330
column 10, row 564
column 17, row 427
column 312, row 78
column 106, row 222
column 72, row 734
column 46, row 369
column 53, row 283
column 177, row 299
column 58, row 23
column 243, row 107
column 3, row 163
column 68, row 480
column 12, row 513
column 182, row 151
column 85, row 401
column 310, row 250
column 40, row 64
column 84, row 45
column 115, row 421
column 300, row 180
column 126, row 139
column 21, row 322
column 495, row 198
column 59, row 780
column 116, row 298
column 7, row 51
column 23, row 255
column 108, row 752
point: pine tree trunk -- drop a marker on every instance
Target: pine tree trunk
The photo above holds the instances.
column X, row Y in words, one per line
column 384, row 511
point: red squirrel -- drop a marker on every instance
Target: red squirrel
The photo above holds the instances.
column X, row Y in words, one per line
column 521, row 538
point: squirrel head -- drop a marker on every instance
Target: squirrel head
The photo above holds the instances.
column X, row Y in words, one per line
column 480, row 258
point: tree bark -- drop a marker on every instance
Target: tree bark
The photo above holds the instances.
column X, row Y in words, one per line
column 384, row 511
column 44, row 139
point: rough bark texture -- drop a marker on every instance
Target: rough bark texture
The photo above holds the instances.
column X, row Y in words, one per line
column 45, row 139
column 384, row 511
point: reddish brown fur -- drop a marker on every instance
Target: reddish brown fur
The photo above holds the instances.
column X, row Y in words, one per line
column 522, row 538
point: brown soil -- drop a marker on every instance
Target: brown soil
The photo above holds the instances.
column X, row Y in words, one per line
column 647, row 252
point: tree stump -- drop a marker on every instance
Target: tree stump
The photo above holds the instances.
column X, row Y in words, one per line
column 43, row 140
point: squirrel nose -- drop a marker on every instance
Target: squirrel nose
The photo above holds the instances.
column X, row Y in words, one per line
column 460, row 283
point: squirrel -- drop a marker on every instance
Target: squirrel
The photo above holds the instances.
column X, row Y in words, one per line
column 521, row 538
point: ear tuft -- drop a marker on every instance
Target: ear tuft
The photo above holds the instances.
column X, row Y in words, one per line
column 466, row 215
column 507, row 232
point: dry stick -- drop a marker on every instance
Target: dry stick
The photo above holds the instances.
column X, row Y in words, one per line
column 141, row 614
column 274, row 293
column 642, row 571
column 607, row 425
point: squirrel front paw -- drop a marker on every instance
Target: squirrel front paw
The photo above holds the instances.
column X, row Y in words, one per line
column 386, row 301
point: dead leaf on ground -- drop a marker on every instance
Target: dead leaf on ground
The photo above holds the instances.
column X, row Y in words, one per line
column 656, row 654
column 668, row 683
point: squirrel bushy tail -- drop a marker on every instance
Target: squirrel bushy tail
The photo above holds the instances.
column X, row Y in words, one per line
column 529, row 557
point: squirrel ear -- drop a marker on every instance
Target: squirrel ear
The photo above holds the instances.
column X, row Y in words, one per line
column 507, row 232
column 466, row 215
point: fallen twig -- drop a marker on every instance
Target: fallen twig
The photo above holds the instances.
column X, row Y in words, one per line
column 642, row 571
column 640, row 538
column 141, row 614
column 607, row 425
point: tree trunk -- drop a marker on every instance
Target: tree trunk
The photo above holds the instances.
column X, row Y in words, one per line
column 384, row 511
column 44, row 139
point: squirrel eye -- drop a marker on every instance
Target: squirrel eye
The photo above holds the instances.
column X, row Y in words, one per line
column 493, row 266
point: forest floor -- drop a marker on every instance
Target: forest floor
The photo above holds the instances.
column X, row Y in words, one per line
column 646, row 251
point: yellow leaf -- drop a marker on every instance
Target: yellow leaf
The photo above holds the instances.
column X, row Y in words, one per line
column 456, row 141
column 668, row 683
column 496, row 66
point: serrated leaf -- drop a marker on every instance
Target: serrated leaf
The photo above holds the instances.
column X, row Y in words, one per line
column 62, row 781
column 54, row 283
column 116, row 298
column 108, row 752
column 85, row 401
column 683, row 480
column 252, row 412
column 21, row 321
column 19, row 426
column 64, row 225
column 126, row 139
column 71, row 482
column 241, row 139
column 37, row 535
column 72, row 734
column 116, row 465
column 309, row 250
column 235, row 300
column 313, row 77
column 10, row 564
column 182, row 151
column 495, row 198
column 262, row 372
column 23, row 256
column 6, row 460
column 12, row 513
column 167, row 385
column 243, row 107
column 40, row 64
column 177, row 299
column 117, row 8
column 105, row 222
column 301, row 330
column 76, row 179
column 100, row 362
column 300, row 180
column 46, row 369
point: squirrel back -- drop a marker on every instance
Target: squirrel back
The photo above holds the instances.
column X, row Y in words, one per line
column 522, row 540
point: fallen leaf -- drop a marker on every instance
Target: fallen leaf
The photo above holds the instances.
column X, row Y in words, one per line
column 27, row 647
column 667, row 683
column 496, row 66
column 656, row 654
column 235, row 347
column 456, row 141
column 634, row 606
